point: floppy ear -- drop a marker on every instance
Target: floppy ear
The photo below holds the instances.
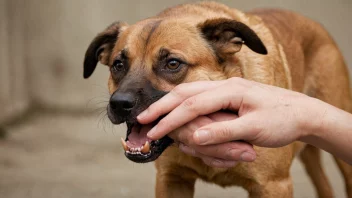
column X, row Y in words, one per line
column 227, row 36
column 100, row 48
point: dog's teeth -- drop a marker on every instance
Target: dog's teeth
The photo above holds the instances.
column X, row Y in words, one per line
column 124, row 145
column 146, row 148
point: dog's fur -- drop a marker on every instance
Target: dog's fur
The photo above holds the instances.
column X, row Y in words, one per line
column 300, row 55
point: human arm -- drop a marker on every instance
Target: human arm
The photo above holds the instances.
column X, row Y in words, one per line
column 268, row 116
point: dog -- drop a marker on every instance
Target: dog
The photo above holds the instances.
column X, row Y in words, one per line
column 210, row 41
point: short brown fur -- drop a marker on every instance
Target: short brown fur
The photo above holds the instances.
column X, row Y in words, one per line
column 301, row 56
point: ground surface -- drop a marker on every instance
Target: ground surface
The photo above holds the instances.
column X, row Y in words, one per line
column 63, row 156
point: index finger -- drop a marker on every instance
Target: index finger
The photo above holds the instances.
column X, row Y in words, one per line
column 207, row 102
column 174, row 98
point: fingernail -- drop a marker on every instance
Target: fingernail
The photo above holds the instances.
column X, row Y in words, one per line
column 151, row 133
column 202, row 136
column 142, row 115
column 247, row 157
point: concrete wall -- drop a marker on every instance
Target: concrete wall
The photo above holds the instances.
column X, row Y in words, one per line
column 43, row 44
column 14, row 89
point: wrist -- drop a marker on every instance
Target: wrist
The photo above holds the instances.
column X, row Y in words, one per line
column 312, row 117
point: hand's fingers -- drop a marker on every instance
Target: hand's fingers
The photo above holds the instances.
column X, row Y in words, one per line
column 174, row 98
column 204, row 103
column 238, row 151
column 226, row 151
column 184, row 133
column 242, row 128
column 214, row 162
column 231, row 151
column 218, row 163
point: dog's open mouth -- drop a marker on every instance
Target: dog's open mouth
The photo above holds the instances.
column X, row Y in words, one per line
column 138, row 147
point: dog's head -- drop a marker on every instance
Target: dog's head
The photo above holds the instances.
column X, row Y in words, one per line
column 148, row 59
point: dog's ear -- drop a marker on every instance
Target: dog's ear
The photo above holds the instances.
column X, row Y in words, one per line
column 227, row 36
column 100, row 48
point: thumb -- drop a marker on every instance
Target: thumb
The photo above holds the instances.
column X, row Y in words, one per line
column 225, row 131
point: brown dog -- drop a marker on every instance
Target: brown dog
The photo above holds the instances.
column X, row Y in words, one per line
column 209, row 41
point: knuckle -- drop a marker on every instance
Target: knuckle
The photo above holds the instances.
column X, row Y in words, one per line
column 235, row 79
column 190, row 103
column 162, row 122
column 240, row 83
column 153, row 108
column 166, row 124
column 178, row 91
column 232, row 154
column 224, row 132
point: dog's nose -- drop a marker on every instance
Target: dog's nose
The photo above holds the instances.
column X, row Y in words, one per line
column 122, row 102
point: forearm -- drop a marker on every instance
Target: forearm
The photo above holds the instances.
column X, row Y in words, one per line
column 330, row 129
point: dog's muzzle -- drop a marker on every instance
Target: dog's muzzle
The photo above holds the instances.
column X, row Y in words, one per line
column 121, row 106
column 125, row 107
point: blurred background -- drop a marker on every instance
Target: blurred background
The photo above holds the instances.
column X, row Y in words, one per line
column 55, row 140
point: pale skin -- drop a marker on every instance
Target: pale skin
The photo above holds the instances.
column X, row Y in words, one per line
column 256, row 113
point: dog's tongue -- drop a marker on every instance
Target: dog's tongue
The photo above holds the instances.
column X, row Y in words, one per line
column 138, row 135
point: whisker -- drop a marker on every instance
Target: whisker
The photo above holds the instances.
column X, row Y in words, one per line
column 101, row 117
column 106, row 124
column 91, row 102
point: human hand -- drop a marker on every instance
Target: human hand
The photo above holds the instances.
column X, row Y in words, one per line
column 268, row 116
column 223, row 155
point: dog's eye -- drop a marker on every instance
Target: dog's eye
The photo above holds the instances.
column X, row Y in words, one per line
column 173, row 64
column 117, row 66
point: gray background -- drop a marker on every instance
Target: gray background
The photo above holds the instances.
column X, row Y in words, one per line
column 56, row 143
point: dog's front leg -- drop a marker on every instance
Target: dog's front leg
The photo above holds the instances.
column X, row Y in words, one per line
column 169, row 185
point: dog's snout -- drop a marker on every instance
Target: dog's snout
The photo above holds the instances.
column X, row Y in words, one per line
column 122, row 102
